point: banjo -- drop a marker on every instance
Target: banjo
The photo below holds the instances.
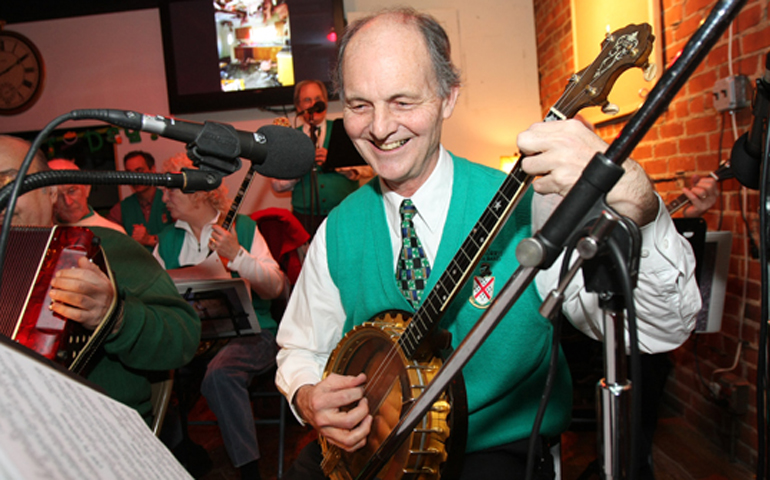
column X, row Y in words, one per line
column 397, row 351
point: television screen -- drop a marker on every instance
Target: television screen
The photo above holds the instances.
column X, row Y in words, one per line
column 225, row 55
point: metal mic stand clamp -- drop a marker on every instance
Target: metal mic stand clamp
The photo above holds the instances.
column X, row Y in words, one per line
column 604, row 278
column 216, row 149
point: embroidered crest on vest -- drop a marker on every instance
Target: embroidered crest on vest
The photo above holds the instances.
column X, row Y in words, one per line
column 483, row 288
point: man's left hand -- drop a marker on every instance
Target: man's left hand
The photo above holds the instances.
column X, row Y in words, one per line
column 558, row 152
column 703, row 195
column 83, row 294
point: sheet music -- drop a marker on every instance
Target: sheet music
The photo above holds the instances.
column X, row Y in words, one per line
column 53, row 427
column 209, row 269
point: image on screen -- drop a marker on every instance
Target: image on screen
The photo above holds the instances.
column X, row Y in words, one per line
column 253, row 44
column 234, row 54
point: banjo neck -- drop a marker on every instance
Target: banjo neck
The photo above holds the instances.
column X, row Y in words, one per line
column 229, row 219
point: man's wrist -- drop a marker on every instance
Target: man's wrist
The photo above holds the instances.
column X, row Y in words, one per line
column 149, row 240
column 295, row 402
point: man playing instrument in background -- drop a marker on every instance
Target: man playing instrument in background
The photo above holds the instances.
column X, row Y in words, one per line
column 189, row 241
column 157, row 330
column 72, row 207
column 398, row 85
column 143, row 213
column 318, row 191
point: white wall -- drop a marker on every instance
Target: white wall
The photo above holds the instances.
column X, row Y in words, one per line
column 116, row 61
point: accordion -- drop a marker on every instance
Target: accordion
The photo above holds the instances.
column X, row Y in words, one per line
column 33, row 256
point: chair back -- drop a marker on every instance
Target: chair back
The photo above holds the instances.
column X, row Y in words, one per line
column 286, row 238
column 160, row 396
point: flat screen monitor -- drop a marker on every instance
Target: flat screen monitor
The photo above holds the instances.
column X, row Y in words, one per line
column 712, row 279
column 226, row 55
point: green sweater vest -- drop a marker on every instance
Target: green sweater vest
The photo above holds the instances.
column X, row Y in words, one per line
column 170, row 242
column 505, row 378
column 131, row 214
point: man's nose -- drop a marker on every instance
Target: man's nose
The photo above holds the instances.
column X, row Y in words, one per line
column 383, row 124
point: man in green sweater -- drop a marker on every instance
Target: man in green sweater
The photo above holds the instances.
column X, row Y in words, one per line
column 143, row 214
column 398, row 85
column 156, row 329
column 316, row 193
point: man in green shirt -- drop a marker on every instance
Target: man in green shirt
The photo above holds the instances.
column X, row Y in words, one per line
column 143, row 214
column 156, row 331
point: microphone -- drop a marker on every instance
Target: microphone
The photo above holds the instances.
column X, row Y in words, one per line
column 275, row 151
column 317, row 107
column 746, row 155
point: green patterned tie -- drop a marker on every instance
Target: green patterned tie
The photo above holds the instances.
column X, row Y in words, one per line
column 413, row 266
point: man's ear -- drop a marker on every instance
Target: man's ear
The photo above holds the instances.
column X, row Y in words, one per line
column 449, row 102
column 53, row 193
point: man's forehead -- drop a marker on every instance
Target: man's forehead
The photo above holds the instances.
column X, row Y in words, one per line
column 389, row 28
column 73, row 187
column 136, row 159
column 386, row 34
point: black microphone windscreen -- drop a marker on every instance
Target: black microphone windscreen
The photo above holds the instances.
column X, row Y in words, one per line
column 745, row 166
column 290, row 153
column 319, row 106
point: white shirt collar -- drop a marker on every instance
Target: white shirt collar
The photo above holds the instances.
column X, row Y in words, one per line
column 431, row 200
column 205, row 231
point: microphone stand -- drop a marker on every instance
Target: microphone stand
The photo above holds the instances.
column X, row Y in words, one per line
column 541, row 251
column 189, row 180
column 763, row 434
column 315, row 194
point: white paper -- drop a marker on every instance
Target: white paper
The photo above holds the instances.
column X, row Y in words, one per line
column 52, row 427
column 209, row 269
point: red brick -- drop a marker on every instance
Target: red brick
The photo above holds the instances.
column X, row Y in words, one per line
column 673, row 14
column 656, row 166
column 642, row 153
column 701, row 125
column 717, row 56
column 756, row 41
column 687, row 27
column 701, row 7
column 698, row 104
column 691, row 144
column 748, row 17
column 681, row 109
column 683, row 164
column 665, row 149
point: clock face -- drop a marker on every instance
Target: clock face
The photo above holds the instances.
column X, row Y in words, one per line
column 21, row 73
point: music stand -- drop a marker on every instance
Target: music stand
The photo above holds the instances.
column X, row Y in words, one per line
column 223, row 306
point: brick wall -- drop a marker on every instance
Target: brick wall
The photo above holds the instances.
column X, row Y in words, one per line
column 691, row 137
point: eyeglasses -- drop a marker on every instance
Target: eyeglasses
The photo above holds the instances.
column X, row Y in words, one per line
column 7, row 176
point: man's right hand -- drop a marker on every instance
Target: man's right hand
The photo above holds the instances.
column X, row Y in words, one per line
column 320, row 155
column 323, row 406
column 140, row 235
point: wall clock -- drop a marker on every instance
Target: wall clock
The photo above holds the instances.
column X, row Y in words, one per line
column 22, row 73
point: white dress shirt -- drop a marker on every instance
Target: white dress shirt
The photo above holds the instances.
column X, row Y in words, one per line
column 667, row 296
column 96, row 220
